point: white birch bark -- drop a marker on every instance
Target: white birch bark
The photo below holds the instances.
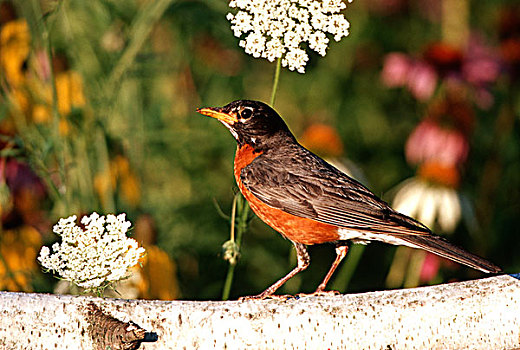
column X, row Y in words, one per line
column 480, row 314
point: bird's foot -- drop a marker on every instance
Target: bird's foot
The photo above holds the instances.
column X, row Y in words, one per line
column 320, row 293
column 261, row 296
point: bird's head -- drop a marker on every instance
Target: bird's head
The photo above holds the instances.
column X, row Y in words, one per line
column 251, row 122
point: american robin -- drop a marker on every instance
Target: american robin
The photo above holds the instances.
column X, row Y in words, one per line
column 311, row 202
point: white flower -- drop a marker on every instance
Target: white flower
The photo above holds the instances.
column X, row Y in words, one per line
column 273, row 49
column 295, row 59
column 274, row 29
column 429, row 203
column 338, row 25
column 94, row 256
column 318, row 41
column 254, row 44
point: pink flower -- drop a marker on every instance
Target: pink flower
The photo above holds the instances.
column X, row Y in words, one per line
column 430, row 267
column 422, row 81
column 475, row 68
column 395, row 69
column 429, row 141
column 419, row 77
column 481, row 64
column 480, row 71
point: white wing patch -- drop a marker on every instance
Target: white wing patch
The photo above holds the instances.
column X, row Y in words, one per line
column 363, row 237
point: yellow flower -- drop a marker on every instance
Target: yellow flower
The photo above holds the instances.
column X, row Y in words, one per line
column 41, row 114
column 19, row 249
column 15, row 42
column 69, row 90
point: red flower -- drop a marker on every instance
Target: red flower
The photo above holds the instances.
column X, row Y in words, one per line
column 445, row 58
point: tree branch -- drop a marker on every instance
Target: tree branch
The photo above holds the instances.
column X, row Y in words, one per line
column 480, row 314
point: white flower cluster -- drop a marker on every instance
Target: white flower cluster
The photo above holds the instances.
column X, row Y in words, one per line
column 94, row 256
column 278, row 28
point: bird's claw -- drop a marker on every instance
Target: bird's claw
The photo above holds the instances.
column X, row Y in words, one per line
column 262, row 297
column 319, row 293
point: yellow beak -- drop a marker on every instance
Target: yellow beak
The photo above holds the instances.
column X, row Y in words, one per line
column 217, row 114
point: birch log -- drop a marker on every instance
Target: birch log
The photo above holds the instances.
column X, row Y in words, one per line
column 479, row 314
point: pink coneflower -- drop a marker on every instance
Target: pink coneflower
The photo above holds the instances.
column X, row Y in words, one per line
column 422, row 80
column 474, row 69
column 399, row 70
column 396, row 67
column 430, row 141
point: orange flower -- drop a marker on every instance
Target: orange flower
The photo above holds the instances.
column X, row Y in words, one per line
column 439, row 173
column 322, row 139
column 159, row 274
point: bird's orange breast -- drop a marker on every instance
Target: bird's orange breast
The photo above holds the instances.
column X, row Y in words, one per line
column 295, row 228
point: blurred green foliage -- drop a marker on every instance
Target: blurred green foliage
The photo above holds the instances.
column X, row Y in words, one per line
column 147, row 65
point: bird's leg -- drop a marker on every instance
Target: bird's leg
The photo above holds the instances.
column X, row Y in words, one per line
column 341, row 251
column 303, row 262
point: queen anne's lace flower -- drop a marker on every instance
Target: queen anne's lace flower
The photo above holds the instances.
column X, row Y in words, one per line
column 275, row 29
column 94, row 256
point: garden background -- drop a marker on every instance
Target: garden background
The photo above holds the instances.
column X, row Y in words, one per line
column 421, row 102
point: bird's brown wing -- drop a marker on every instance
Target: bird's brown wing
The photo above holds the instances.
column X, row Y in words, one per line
column 302, row 184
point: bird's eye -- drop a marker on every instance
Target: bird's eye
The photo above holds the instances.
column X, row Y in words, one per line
column 246, row 113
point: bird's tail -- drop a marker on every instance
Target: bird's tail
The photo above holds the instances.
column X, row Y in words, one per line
column 439, row 246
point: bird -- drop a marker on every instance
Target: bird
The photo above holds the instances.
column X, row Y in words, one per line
column 309, row 201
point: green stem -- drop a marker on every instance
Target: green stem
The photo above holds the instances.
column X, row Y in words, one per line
column 243, row 219
column 228, row 282
column 233, row 217
column 275, row 81
column 239, row 221
column 232, row 263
